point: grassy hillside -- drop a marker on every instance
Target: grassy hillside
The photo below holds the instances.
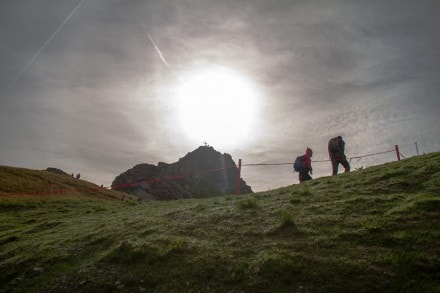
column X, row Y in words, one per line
column 21, row 181
column 377, row 229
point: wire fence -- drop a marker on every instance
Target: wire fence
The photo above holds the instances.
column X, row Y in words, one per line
column 318, row 161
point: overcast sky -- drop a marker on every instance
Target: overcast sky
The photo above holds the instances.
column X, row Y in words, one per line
column 93, row 86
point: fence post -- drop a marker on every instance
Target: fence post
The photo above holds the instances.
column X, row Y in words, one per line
column 238, row 183
column 397, row 152
column 417, row 149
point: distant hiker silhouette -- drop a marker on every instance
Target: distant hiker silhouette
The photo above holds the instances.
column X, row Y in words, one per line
column 303, row 165
column 336, row 149
column 78, row 176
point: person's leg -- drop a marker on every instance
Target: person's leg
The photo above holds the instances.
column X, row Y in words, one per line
column 335, row 165
column 304, row 176
column 308, row 177
column 345, row 163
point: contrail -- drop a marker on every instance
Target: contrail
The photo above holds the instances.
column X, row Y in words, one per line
column 158, row 51
column 154, row 44
column 161, row 56
column 45, row 44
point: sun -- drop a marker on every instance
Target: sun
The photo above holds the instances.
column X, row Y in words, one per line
column 217, row 105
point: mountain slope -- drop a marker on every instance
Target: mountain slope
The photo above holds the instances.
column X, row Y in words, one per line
column 22, row 181
column 372, row 230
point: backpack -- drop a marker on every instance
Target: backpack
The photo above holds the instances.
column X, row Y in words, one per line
column 298, row 165
column 333, row 145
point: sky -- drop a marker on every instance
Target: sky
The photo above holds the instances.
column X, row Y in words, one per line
column 98, row 86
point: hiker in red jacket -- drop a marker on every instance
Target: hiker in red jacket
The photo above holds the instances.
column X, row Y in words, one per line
column 307, row 163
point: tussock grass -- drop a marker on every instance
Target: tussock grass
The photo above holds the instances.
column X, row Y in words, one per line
column 376, row 229
column 247, row 203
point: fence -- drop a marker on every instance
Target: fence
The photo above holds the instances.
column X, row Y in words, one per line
column 237, row 189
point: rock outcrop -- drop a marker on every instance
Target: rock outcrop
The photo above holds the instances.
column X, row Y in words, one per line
column 201, row 173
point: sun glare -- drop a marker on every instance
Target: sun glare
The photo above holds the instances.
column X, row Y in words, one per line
column 218, row 106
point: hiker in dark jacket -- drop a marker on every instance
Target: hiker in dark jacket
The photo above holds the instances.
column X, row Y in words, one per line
column 336, row 149
column 307, row 163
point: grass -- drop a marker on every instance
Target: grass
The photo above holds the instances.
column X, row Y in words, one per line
column 376, row 229
column 27, row 183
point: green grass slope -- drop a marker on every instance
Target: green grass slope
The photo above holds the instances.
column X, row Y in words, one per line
column 377, row 229
column 20, row 181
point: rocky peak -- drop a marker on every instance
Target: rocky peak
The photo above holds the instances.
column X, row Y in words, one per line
column 203, row 172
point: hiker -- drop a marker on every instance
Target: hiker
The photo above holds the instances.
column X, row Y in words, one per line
column 303, row 165
column 336, row 149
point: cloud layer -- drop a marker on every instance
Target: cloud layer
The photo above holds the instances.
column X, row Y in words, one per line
column 98, row 99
